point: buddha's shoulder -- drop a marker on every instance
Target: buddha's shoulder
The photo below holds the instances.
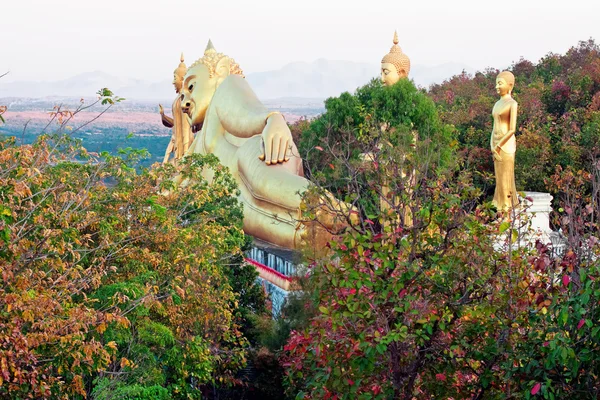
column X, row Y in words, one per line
column 504, row 103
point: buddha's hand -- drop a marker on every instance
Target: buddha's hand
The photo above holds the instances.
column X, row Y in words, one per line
column 276, row 141
column 496, row 154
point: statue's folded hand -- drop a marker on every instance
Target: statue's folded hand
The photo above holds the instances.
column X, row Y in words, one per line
column 496, row 154
column 276, row 141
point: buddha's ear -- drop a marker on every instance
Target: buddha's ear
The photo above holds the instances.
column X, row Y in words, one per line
column 222, row 69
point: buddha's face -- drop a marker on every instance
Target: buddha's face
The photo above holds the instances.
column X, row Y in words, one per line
column 197, row 92
column 177, row 82
column 502, row 87
column 389, row 74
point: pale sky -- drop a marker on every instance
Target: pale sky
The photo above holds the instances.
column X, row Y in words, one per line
column 57, row 39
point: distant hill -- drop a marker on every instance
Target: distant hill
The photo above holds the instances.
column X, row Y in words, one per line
column 316, row 80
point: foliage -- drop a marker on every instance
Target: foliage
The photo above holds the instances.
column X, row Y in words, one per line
column 250, row 302
column 429, row 293
column 405, row 293
column 558, row 349
column 559, row 101
column 355, row 127
column 112, row 274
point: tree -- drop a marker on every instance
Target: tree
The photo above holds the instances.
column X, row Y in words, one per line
column 114, row 281
column 431, row 294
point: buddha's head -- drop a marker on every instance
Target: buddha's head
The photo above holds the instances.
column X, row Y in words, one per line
column 505, row 82
column 201, row 81
column 178, row 75
column 395, row 65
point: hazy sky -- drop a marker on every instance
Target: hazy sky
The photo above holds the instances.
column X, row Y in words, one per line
column 56, row 39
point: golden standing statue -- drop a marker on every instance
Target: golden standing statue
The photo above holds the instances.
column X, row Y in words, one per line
column 503, row 143
column 255, row 144
column 182, row 136
column 395, row 65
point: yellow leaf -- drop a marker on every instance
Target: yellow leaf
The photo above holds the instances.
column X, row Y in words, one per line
column 28, row 315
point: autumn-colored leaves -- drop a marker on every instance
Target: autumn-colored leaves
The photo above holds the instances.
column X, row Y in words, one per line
column 99, row 270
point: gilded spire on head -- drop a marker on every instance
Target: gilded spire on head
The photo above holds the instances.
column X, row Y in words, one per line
column 211, row 58
column 181, row 69
column 209, row 47
column 397, row 58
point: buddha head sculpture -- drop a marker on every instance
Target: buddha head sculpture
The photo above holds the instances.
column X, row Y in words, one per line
column 201, row 81
column 178, row 75
column 395, row 65
column 505, row 82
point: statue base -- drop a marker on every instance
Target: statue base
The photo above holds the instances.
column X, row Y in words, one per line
column 537, row 207
column 277, row 269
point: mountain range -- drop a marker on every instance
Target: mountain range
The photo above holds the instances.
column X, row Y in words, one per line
column 318, row 80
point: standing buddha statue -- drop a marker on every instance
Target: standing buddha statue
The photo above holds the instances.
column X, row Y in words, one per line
column 503, row 143
column 182, row 135
column 395, row 66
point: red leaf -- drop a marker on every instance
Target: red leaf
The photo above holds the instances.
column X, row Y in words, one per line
column 376, row 389
column 350, row 382
column 536, row 388
column 581, row 323
column 440, row 377
column 566, row 280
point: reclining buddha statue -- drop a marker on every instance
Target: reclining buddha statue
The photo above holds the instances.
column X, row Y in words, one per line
column 255, row 144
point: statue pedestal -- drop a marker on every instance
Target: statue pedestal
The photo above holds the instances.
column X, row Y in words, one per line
column 537, row 207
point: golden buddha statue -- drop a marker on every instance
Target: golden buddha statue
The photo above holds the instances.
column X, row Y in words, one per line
column 395, row 65
column 182, row 135
column 503, row 143
column 255, row 144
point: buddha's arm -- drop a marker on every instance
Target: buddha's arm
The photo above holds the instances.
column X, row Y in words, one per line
column 167, row 121
column 512, row 128
column 168, row 151
column 239, row 110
